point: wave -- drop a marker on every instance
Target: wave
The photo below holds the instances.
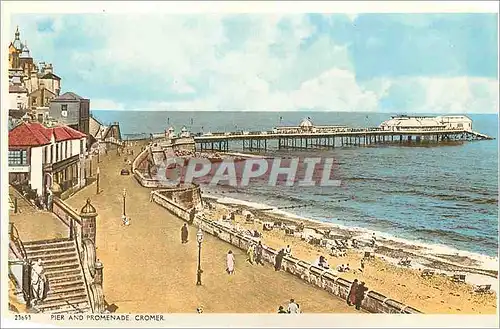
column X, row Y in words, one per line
column 424, row 248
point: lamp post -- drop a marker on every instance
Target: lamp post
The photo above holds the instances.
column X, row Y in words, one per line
column 124, row 196
column 90, row 157
column 199, row 238
column 98, row 172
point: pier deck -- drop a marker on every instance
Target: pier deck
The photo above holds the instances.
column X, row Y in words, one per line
column 264, row 140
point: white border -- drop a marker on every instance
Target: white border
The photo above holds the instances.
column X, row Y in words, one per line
column 229, row 320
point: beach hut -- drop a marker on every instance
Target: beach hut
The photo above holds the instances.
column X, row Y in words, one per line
column 249, row 217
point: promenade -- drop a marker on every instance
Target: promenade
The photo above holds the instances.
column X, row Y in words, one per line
column 148, row 270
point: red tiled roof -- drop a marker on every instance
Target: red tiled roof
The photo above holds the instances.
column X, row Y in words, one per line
column 36, row 134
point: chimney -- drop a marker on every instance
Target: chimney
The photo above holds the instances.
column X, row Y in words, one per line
column 48, row 68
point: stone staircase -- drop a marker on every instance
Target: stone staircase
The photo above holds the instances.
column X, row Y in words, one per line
column 67, row 290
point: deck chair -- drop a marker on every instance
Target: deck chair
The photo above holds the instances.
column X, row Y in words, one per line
column 460, row 278
column 482, row 289
column 427, row 273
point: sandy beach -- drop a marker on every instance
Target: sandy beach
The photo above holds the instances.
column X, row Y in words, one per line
column 437, row 294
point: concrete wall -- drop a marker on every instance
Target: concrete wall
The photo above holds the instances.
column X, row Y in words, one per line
column 75, row 147
column 185, row 196
column 183, row 143
column 171, row 206
column 323, row 279
column 36, row 167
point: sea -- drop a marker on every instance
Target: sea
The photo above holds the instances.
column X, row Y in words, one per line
column 444, row 197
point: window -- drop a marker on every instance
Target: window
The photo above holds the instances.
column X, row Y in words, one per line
column 81, row 146
column 18, row 158
column 57, row 152
column 64, row 110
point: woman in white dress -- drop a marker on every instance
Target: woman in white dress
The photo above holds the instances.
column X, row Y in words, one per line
column 38, row 282
column 230, row 262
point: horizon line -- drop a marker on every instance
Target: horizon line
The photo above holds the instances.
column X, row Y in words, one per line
column 284, row 111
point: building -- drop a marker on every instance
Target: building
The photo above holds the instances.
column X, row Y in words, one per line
column 456, row 122
column 405, row 122
column 41, row 157
column 306, row 126
column 32, row 87
column 104, row 134
column 18, row 95
column 15, row 49
column 72, row 110
column 41, row 97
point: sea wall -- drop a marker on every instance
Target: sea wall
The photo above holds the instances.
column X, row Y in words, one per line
column 373, row 302
column 187, row 196
column 183, row 144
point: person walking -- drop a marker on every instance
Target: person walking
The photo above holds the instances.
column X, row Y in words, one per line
column 258, row 253
column 360, row 295
column 184, row 233
column 279, row 260
column 230, row 262
column 251, row 253
column 351, row 297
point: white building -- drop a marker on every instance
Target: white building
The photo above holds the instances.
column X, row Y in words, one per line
column 18, row 94
column 43, row 158
column 306, row 126
column 456, row 122
column 184, row 133
column 405, row 123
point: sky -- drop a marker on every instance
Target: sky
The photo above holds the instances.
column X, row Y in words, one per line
column 398, row 63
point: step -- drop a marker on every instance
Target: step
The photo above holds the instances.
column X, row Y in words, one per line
column 59, row 274
column 55, row 245
column 71, row 295
column 71, row 310
column 52, row 268
column 79, row 302
column 68, row 279
column 66, row 291
column 41, row 253
column 44, row 242
column 59, row 284
column 61, row 261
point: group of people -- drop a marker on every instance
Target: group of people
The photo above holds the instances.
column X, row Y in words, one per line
column 254, row 253
column 343, row 268
column 293, row 308
column 356, row 294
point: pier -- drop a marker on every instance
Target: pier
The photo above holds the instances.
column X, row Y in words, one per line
column 266, row 140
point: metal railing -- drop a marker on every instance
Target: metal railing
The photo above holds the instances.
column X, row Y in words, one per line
column 16, row 240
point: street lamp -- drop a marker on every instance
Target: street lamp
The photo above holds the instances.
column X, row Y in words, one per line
column 199, row 238
column 98, row 153
column 124, row 196
column 98, row 172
